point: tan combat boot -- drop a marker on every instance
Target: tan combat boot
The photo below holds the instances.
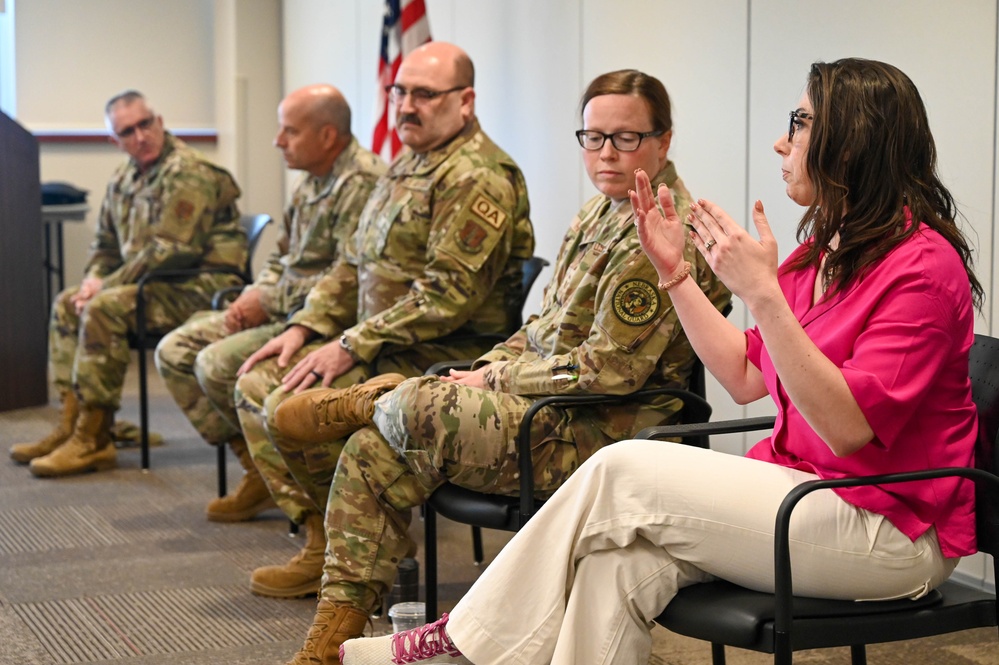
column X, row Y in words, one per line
column 249, row 498
column 327, row 414
column 25, row 452
column 332, row 626
column 89, row 448
column 302, row 575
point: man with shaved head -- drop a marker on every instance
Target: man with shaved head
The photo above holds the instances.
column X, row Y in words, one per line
column 435, row 263
column 198, row 361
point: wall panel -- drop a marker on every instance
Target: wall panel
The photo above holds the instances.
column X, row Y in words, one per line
column 72, row 56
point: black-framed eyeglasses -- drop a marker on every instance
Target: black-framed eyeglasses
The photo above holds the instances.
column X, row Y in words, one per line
column 144, row 125
column 420, row 95
column 590, row 139
column 129, row 132
column 797, row 116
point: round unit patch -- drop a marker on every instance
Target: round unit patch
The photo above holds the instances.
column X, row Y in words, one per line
column 636, row 302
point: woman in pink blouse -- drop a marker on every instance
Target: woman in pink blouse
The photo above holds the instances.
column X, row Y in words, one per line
column 862, row 341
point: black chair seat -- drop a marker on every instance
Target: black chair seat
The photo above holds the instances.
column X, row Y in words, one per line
column 725, row 613
column 467, row 507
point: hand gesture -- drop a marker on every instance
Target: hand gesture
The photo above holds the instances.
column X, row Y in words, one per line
column 747, row 266
column 661, row 232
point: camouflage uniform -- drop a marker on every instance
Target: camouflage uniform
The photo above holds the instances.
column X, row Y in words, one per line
column 438, row 252
column 198, row 361
column 604, row 328
column 180, row 213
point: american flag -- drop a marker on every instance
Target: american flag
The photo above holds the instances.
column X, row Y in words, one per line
column 405, row 27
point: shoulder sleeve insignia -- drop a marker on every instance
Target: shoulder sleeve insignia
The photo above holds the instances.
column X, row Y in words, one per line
column 183, row 210
column 470, row 237
column 488, row 211
column 636, row 302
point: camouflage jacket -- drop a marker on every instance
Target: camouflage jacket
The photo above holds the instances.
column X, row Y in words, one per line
column 439, row 249
column 179, row 213
column 605, row 327
column 318, row 223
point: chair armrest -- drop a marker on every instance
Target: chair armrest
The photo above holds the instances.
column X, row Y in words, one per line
column 167, row 276
column 220, row 297
column 783, row 587
column 701, row 429
column 695, row 409
column 441, row 368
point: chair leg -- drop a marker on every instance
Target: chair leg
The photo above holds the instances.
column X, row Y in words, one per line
column 858, row 654
column 430, row 561
column 220, row 451
column 143, row 405
column 292, row 528
column 717, row 654
column 477, row 545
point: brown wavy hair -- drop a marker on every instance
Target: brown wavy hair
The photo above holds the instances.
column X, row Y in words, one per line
column 870, row 154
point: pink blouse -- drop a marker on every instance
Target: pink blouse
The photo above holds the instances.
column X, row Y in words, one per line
column 901, row 336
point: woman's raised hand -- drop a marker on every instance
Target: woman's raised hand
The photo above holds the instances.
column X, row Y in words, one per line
column 748, row 267
column 661, row 232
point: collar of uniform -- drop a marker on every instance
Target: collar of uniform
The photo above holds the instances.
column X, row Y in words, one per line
column 667, row 176
column 411, row 163
column 169, row 145
column 319, row 188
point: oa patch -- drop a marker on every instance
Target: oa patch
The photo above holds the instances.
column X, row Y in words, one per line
column 488, row 211
column 636, row 302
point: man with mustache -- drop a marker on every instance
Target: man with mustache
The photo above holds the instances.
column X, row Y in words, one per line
column 167, row 207
column 437, row 254
column 198, row 361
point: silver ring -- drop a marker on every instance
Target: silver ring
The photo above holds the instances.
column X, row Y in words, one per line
column 709, row 244
column 317, row 375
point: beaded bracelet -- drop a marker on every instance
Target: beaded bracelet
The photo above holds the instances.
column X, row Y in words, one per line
column 677, row 278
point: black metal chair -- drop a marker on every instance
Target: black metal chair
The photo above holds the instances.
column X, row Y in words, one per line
column 143, row 340
column 725, row 614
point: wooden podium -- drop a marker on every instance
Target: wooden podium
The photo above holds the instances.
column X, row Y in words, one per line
column 23, row 330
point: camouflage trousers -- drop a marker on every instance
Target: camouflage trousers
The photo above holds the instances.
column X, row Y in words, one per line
column 89, row 353
column 428, row 432
column 198, row 363
column 300, row 482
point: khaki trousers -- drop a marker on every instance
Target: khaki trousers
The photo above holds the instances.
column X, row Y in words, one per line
column 583, row 581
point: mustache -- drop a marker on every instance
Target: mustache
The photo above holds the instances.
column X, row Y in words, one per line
column 411, row 118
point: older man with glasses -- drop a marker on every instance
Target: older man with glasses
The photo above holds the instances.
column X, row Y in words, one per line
column 167, row 207
column 434, row 264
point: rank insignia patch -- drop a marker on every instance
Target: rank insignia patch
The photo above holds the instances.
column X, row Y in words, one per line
column 636, row 302
column 488, row 211
column 470, row 237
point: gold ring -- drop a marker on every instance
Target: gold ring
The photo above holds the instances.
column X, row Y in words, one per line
column 709, row 244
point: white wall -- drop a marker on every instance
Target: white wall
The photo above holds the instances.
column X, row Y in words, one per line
column 81, row 53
